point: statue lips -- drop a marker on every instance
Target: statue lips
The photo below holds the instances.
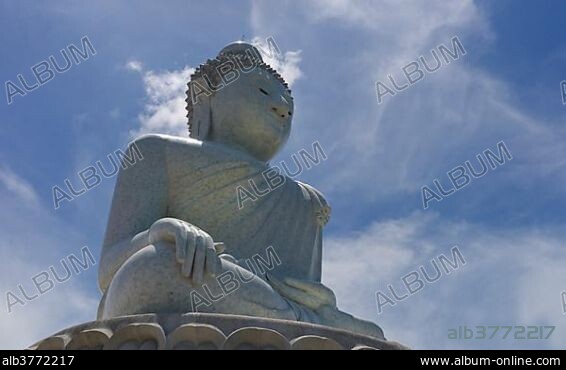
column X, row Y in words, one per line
column 276, row 123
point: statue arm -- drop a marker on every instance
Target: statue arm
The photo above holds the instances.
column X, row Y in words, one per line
column 140, row 199
column 321, row 213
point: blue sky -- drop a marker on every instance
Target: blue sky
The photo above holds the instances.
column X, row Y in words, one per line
column 509, row 224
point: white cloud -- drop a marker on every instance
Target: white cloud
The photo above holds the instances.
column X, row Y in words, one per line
column 18, row 186
column 286, row 64
column 164, row 111
column 511, row 277
column 58, row 309
column 134, row 65
column 33, row 239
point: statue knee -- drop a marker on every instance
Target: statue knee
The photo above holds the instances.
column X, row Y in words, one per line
column 143, row 282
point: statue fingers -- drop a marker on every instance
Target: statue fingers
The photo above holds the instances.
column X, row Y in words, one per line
column 189, row 247
column 200, row 256
column 210, row 254
column 181, row 236
column 209, row 243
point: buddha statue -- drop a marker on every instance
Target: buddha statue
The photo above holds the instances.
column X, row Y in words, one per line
column 176, row 233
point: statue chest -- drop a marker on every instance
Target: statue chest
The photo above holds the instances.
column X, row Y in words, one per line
column 249, row 209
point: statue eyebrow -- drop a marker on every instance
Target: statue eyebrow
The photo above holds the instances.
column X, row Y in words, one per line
column 263, row 91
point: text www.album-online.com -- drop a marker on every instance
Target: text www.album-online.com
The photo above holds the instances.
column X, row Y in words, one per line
column 513, row 360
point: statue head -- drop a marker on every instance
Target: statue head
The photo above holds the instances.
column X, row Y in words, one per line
column 238, row 100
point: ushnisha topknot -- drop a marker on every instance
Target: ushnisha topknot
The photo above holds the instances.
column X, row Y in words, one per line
column 211, row 76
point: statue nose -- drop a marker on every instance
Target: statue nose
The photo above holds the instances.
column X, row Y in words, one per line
column 282, row 108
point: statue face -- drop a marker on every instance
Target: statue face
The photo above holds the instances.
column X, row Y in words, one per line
column 253, row 113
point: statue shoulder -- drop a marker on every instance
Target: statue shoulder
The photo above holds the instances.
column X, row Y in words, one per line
column 161, row 140
column 321, row 207
column 167, row 146
column 149, row 144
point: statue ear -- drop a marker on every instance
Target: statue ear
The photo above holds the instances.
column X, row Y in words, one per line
column 202, row 118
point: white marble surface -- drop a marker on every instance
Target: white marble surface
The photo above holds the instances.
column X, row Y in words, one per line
column 170, row 209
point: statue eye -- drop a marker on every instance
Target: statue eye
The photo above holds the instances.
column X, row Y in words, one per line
column 263, row 91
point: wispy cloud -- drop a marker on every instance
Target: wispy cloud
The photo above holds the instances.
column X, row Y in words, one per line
column 34, row 239
column 511, row 277
column 66, row 305
column 285, row 63
column 164, row 110
column 134, row 65
column 18, row 186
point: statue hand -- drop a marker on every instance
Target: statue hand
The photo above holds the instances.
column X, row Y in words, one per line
column 195, row 249
column 310, row 294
